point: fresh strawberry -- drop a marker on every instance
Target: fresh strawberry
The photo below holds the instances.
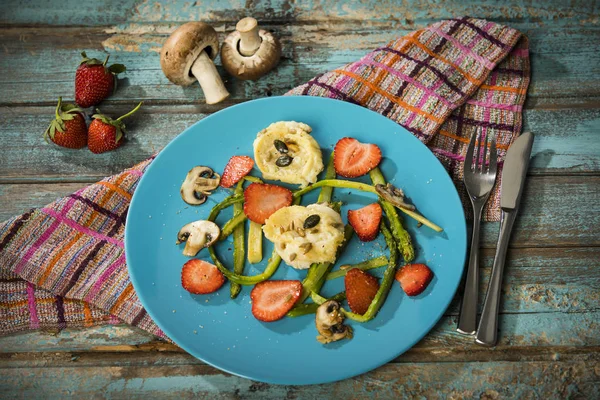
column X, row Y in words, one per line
column 237, row 168
column 105, row 134
column 414, row 278
column 352, row 158
column 68, row 128
column 94, row 81
column 365, row 221
column 261, row 200
column 361, row 289
column 201, row 277
column 271, row 300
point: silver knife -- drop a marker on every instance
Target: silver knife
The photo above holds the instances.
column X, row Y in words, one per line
column 513, row 180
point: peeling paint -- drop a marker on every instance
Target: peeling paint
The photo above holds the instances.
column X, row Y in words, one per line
column 552, row 300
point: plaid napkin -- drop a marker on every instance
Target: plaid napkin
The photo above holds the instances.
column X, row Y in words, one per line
column 63, row 265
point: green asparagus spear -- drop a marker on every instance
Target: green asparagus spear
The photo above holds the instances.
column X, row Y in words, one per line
column 255, row 239
column 317, row 298
column 386, row 283
column 272, row 265
column 315, row 277
column 253, row 179
column 373, row 263
column 317, row 271
column 239, row 253
column 228, row 228
column 327, row 191
column 400, row 234
column 311, row 308
column 228, row 201
column 340, row 183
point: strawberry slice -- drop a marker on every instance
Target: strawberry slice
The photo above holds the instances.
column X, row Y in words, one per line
column 352, row 158
column 414, row 278
column 271, row 300
column 361, row 288
column 201, row 277
column 261, row 200
column 237, row 168
column 365, row 221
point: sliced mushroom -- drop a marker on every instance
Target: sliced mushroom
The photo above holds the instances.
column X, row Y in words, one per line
column 197, row 235
column 198, row 184
column 330, row 323
column 249, row 53
column 394, row 195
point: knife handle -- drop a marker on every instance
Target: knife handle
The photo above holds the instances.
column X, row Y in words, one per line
column 488, row 324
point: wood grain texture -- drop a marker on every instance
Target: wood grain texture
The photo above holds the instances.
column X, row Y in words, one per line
column 488, row 380
column 549, row 342
column 546, row 216
column 566, row 142
column 517, row 330
column 105, row 12
column 565, row 61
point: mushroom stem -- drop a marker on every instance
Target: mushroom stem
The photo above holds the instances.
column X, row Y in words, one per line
column 249, row 37
column 206, row 73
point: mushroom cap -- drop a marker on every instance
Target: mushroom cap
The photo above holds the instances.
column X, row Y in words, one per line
column 394, row 195
column 183, row 47
column 252, row 67
column 329, row 322
column 197, row 235
column 198, row 184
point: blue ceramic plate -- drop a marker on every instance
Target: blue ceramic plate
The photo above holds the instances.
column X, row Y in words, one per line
column 223, row 332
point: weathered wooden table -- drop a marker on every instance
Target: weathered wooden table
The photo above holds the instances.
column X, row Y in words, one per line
column 550, row 323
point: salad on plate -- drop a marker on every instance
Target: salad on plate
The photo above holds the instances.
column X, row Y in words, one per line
column 307, row 237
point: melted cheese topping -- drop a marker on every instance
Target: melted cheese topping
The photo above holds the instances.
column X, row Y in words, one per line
column 307, row 160
column 300, row 247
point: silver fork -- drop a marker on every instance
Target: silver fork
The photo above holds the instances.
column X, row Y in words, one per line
column 479, row 180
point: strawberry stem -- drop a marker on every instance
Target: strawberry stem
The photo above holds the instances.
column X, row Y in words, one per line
column 57, row 111
column 106, row 61
column 130, row 112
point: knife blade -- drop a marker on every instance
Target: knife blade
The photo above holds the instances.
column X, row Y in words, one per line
column 513, row 181
column 515, row 171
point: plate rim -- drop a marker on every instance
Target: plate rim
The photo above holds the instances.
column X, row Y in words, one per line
column 367, row 368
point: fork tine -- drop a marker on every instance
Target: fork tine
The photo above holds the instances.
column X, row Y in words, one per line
column 478, row 165
column 469, row 156
column 493, row 156
column 485, row 148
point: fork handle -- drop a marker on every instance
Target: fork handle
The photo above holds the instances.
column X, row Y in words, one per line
column 467, row 318
column 488, row 325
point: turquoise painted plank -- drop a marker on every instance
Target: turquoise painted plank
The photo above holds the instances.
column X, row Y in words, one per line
column 488, row 380
column 156, row 353
column 546, row 217
column 106, row 13
column 566, row 141
column 548, row 221
column 537, row 329
column 565, row 62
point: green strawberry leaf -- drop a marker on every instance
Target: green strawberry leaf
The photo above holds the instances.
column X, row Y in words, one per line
column 119, row 134
column 55, row 125
column 103, row 118
column 70, row 108
column 89, row 61
column 117, row 68
column 67, row 116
